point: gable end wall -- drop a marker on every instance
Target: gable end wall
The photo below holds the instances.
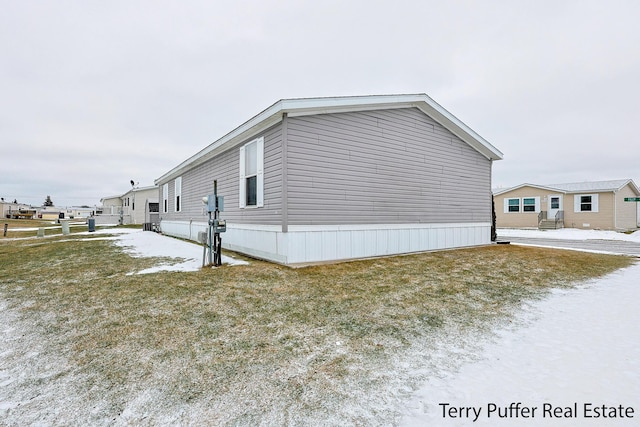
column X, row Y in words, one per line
column 383, row 167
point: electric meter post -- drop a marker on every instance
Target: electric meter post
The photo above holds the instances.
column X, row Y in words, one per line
column 213, row 245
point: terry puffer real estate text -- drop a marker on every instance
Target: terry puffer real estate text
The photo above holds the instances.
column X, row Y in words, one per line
column 546, row 410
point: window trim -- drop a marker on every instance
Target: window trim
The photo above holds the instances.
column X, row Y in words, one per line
column 259, row 175
column 521, row 205
column 508, row 205
column 177, row 194
column 165, row 198
column 578, row 204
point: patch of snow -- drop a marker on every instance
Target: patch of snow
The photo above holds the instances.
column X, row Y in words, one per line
column 581, row 346
column 570, row 234
column 140, row 243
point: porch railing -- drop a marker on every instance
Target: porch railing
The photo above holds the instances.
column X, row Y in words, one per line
column 559, row 218
column 542, row 215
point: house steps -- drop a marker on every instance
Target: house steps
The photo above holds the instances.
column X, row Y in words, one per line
column 550, row 224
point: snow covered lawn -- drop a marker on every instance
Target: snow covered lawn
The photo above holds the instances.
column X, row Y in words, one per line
column 375, row 342
column 149, row 244
column 576, row 347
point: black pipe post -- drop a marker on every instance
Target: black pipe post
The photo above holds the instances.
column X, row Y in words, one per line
column 216, row 217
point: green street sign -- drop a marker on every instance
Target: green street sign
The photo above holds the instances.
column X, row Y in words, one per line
column 632, row 199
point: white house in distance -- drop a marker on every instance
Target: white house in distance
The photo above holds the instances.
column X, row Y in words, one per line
column 16, row 210
column 326, row 179
column 137, row 206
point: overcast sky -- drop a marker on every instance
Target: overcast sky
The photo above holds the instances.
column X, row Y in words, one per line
column 95, row 94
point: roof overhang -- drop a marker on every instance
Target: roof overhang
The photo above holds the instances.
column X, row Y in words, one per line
column 517, row 187
column 579, row 187
column 313, row 106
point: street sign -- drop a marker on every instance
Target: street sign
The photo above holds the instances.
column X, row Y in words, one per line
column 632, row 199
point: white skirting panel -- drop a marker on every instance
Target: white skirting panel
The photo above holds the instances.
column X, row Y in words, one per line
column 310, row 244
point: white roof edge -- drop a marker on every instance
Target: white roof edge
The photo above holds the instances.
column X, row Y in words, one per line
column 633, row 184
column 305, row 106
column 617, row 185
column 526, row 184
column 590, row 186
column 148, row 187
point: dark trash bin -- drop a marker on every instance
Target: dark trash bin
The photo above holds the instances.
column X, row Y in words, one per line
column 91, row 222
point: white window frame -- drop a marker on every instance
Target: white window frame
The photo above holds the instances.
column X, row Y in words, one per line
column 177, row 196
column 165, row 198
column 521, row 205
column 577, row 203
column 507, row 205
column 536, row 205
column 259, row 174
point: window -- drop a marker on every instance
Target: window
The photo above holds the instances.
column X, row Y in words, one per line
column 178, row 193
column 585, row 203
column 526, row 204
column 529, row 204
column 251, row 174
column 513, row 205
column 165, row 198
column 555, row 202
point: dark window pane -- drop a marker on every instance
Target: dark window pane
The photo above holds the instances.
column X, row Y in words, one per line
column 252, row 194
column 529, row 205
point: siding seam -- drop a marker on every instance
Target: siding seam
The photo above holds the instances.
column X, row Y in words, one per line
column 284, row 195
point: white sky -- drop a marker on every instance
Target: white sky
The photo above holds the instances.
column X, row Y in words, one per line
column 95, row 94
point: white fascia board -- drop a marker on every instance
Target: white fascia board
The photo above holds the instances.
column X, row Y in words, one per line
column 110, row 197
column 257, row 124
column 312, row 106
column 458, row 128
column 541, row 187
column 340, row 104
column 632, row 184
column 150, row 187
column 300, row 107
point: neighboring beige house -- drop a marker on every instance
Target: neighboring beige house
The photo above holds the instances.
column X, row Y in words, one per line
column 587, row 205
column 51, row 213
column 136, row 206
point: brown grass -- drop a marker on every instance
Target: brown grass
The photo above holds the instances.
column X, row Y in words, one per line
column 262, row 343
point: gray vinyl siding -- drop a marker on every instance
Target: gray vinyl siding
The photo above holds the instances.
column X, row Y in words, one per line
column 383, row 167
column 198, row 182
